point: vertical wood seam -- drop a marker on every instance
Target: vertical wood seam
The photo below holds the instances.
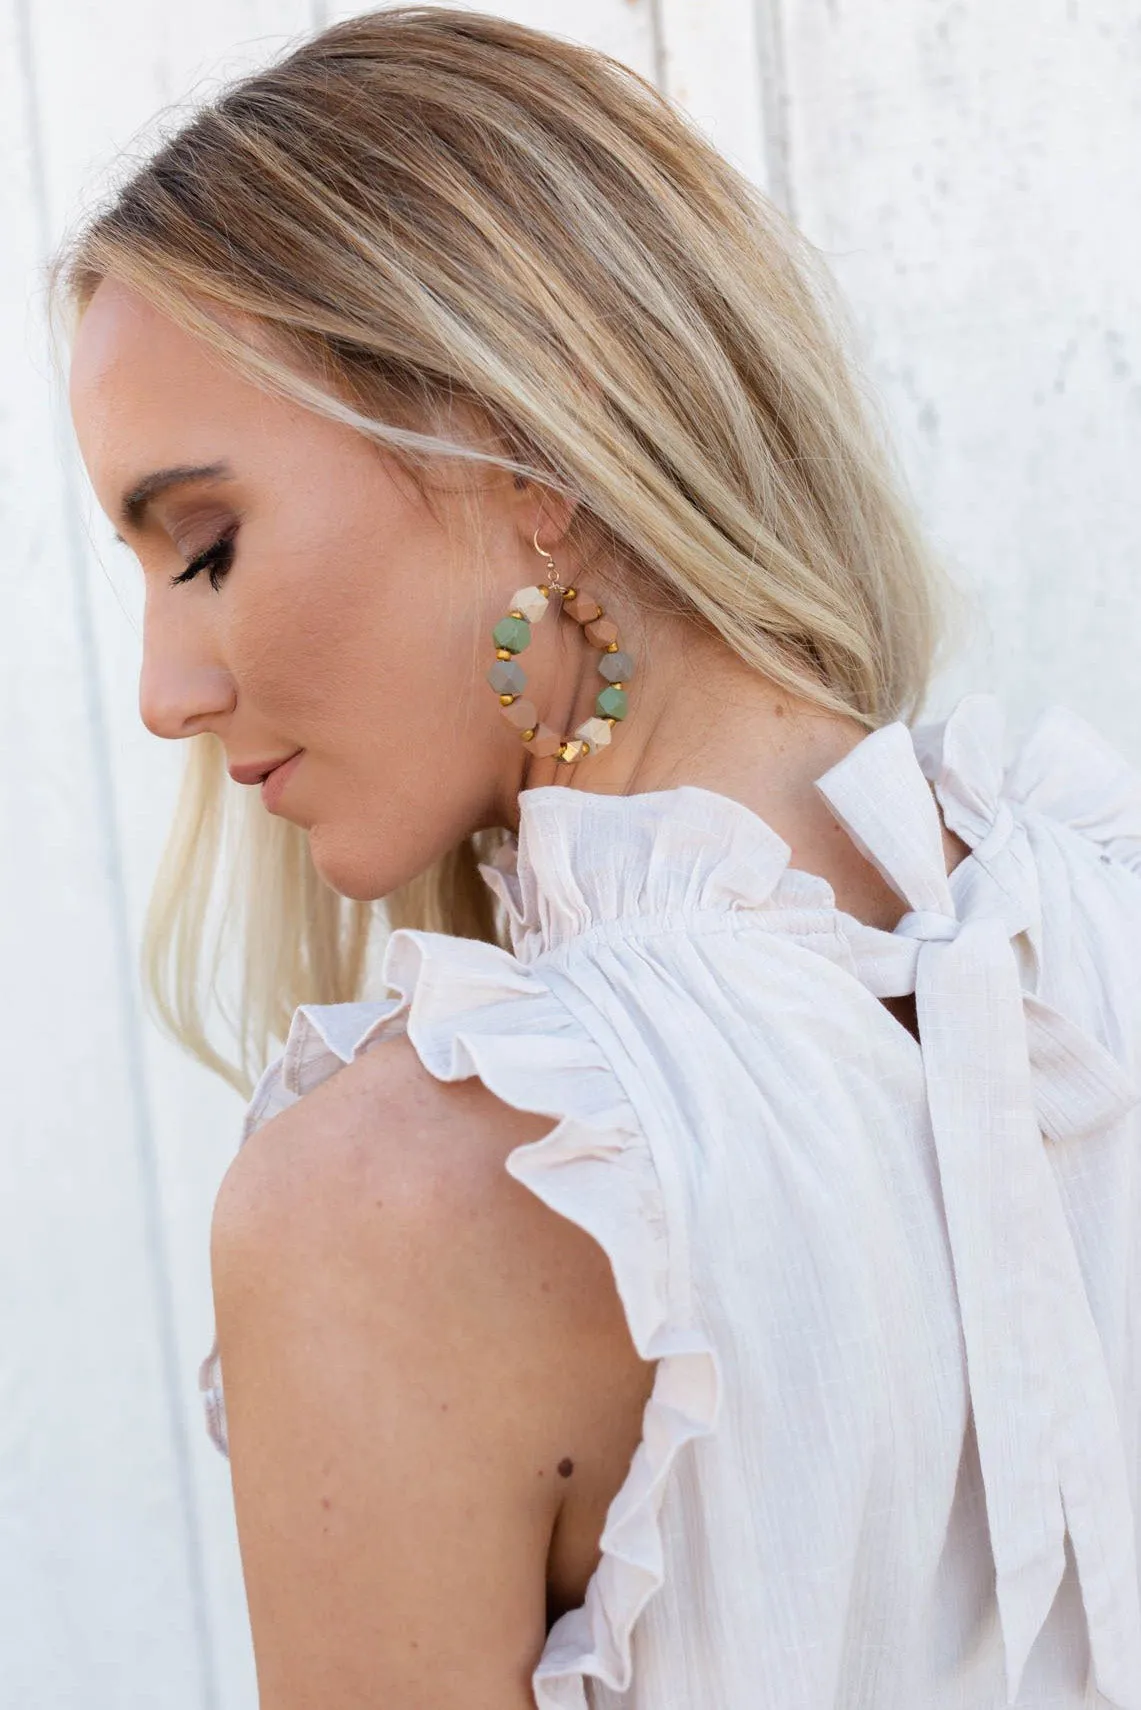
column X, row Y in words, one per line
column 658, row 45
column 155, row 1246
column 773, row 81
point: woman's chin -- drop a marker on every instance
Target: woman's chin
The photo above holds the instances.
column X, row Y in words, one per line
column 347, row 871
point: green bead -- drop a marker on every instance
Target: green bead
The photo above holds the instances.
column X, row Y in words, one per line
column 513, row 633
column 611, row 703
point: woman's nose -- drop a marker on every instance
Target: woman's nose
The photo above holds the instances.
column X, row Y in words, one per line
column 181, row 696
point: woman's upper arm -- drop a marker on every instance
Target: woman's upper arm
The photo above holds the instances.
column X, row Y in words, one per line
column 405, row 1337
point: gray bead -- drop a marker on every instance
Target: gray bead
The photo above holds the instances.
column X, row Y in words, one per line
column 616, row 667
column 506, row 677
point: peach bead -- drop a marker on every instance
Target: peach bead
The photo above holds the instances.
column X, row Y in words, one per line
column 545, row 742
column 522, row 713
column 602, row 632
column 583, row 611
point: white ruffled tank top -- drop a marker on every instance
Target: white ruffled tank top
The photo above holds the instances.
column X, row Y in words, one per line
column 893, row 1289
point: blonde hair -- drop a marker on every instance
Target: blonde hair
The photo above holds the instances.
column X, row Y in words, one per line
column 423, row 205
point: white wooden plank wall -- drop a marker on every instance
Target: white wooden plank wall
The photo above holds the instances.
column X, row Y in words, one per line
column 972, row 170
column 969, row 170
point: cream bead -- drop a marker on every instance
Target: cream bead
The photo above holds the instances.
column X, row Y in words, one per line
column 532, row 602
column 596, row 731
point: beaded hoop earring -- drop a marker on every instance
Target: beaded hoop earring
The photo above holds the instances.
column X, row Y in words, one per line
column 512, row 634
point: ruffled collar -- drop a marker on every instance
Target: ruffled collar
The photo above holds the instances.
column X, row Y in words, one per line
column 583, row 862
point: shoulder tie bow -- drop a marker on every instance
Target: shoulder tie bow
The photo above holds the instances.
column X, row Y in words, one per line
column 1003, row 1069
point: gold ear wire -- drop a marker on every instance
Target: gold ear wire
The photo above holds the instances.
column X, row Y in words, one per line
column 553, row 577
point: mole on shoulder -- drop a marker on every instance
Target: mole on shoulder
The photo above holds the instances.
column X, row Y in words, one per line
column 566, row 1467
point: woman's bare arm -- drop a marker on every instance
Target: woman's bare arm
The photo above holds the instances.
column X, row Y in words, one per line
column 430, row 1389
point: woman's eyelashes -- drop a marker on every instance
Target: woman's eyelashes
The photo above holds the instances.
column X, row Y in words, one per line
column 216, row 559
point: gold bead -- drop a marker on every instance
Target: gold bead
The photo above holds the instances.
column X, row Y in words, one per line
column 528, row 735
column 515, row 612
column 612, row 721
column 612, row 647
column 504, row 653
column 543, row 589
column 506, row 700
column 570, row 593
column 617, row 685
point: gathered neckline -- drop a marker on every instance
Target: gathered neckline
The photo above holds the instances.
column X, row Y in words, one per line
column 585, row 860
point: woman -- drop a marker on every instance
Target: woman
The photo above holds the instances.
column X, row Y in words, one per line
column 710, row 1279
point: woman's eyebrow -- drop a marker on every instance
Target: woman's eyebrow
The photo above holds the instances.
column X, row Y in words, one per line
column 135, row 501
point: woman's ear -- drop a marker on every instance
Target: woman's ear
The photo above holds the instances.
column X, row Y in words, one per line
column 542, row 512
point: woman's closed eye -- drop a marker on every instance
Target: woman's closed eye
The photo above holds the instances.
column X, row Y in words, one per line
column 217, row 559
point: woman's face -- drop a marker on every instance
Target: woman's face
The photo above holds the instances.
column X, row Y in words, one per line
column 347, row 622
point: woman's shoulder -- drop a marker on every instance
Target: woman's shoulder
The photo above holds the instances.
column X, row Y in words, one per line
column 398, row 1136
column 380, row 1134
column 394, row 1180
column 425, row 1370
column 471, row 1084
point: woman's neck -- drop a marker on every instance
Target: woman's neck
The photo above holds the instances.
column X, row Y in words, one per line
column 700, row 715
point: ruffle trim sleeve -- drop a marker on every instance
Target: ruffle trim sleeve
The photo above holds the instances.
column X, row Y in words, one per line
column 470, row 1008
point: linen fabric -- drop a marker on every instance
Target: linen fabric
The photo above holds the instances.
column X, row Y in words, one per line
column 892, row 1286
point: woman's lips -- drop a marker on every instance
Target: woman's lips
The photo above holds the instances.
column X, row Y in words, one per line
column 274, row 783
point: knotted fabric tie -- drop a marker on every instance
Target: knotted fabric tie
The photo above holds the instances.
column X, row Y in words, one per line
column 1003, row 1069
